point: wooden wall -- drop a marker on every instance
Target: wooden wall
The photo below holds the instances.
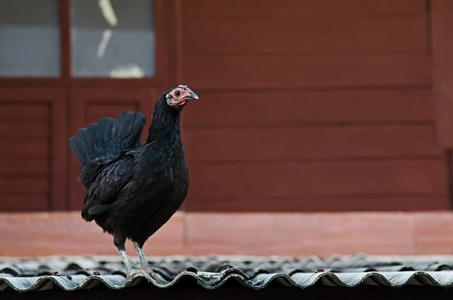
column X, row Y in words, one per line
column 311, row 105
column 304, row 106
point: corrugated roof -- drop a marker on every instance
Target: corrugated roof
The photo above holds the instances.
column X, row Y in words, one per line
column 211, row 272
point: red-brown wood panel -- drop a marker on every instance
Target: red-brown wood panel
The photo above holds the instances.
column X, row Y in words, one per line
column 233, row 109
column 90, row 104
column 111, row 109
column 25, row 147
column 211, row 184
column 30, row 111
column 311, row 105
column 323, row 203
column 442, row 47
column 24, row 166
column 357, row 142
column 35, row 185
column 290, row 71
column 319, row 178
column 301, row 8
column 32, row 163
column 40, row 127
column 208, row 37
column 26, row 202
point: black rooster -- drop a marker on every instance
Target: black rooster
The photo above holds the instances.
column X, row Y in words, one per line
column 133, row 190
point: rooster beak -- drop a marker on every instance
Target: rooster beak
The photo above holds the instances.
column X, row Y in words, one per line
column 192, row 95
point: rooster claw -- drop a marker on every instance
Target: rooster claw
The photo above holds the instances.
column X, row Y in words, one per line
column 129, row 275
column 150, row 276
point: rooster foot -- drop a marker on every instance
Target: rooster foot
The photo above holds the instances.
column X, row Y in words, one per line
column 149, row 275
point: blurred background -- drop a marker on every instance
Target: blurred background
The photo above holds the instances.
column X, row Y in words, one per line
column 322, row 127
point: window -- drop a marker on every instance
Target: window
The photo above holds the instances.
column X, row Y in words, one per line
column 109, row 38
column 113, row 38
column 29, row 38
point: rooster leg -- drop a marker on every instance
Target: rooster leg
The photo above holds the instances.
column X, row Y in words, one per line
column 146, row 270
column 126, row 261
column 119, row 240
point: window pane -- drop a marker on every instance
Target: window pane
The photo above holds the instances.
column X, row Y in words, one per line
column 29, row 38
column 113, row 38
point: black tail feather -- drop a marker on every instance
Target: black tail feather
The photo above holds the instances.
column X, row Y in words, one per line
column 103, row 131
column 89, row 135
column 101, row 142
column 125, row 128
column 135, row 134
column 78, row 148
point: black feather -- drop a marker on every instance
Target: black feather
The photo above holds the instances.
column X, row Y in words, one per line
column 99, row 209
column 126, row 127
column 90, row 135
column 103, row 130
column 73, row 142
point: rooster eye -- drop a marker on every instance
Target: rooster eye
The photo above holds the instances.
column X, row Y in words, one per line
column 177, row 93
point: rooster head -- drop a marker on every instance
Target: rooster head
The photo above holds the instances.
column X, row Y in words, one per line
column 179, row 96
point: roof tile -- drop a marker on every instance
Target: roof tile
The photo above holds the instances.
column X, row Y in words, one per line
column 211, row 272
